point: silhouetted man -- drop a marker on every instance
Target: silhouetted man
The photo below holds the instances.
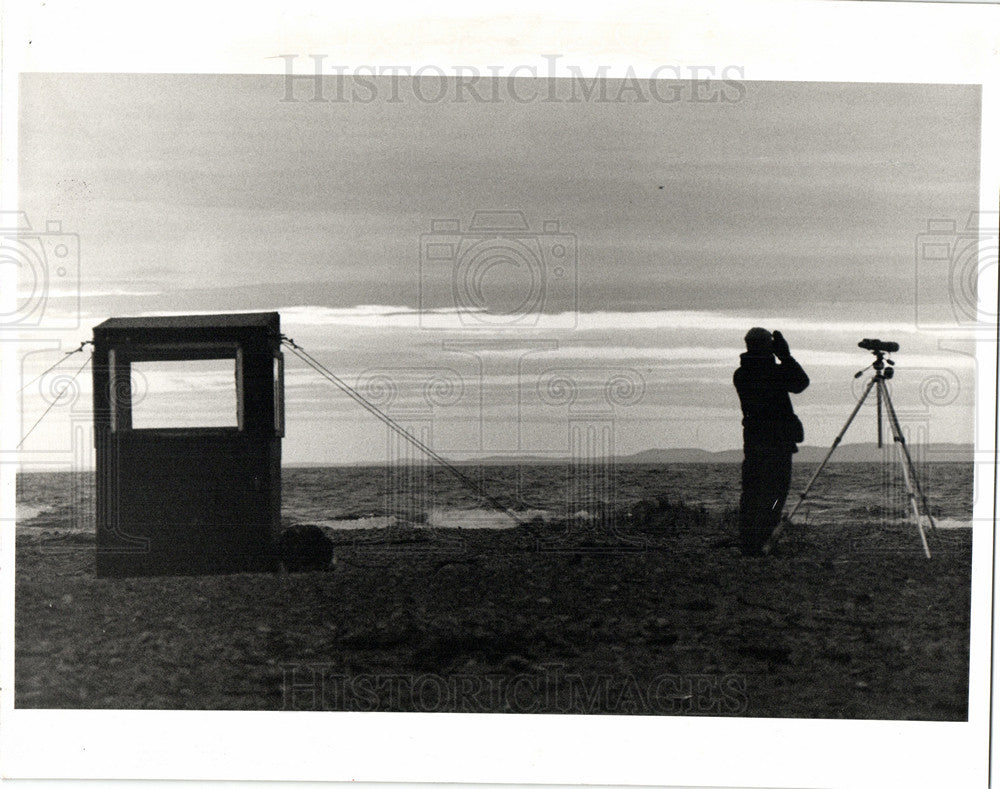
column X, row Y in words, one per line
column 770, row 432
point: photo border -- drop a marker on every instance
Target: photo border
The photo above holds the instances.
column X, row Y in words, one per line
column 814, row 41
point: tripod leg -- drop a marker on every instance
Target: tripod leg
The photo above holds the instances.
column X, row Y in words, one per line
column 769, row 545
column 894, row 420
column 878, row 412
column 907, row 465
column 836, row 441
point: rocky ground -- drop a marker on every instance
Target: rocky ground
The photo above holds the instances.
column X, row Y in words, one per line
column 653, row 616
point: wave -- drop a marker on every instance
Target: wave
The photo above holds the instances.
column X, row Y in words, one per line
column 952, row 523
column 28, row 512
column 360, row 498
column 441, row 518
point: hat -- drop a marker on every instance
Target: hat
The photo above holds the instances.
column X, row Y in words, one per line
column 758, row 339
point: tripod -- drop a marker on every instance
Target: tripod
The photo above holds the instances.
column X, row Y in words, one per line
column 910, row 478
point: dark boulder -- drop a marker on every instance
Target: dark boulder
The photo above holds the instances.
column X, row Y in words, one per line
column 304, row 547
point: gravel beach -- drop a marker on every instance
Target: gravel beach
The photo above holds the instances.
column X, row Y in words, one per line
column 663, row 616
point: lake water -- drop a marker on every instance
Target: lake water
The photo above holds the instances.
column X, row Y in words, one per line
column 358, row 497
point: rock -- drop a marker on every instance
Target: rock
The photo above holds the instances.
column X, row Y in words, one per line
column 516, row 663
column 775, row 653
column 304, row 547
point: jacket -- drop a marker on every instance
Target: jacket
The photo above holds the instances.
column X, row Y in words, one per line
column 763, row 386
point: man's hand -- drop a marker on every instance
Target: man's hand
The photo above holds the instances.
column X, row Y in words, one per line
column 779, row 346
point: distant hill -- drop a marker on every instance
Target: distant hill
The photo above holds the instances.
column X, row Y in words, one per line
column 845, row 453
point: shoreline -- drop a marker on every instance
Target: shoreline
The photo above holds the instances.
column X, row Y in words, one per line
column 944, row 459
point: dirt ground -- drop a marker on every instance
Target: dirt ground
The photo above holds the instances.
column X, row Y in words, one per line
column 663, row 617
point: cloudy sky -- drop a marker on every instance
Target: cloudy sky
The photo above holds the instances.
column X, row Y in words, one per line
column 657, row 233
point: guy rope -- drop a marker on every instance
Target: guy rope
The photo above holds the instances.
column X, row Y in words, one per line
column 61, row 391
column 329, row 375
column 375, row 411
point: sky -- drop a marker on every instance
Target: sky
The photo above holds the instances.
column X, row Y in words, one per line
column 654, row 235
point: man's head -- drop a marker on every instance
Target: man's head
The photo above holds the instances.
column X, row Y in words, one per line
column 758, row 340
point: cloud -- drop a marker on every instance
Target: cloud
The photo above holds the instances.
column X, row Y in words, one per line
column 397, row 316
column 722, row 356
column 368, row 315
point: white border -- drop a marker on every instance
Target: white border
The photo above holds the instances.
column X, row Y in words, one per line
column 823, row 41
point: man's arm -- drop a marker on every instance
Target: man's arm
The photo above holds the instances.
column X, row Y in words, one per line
column 791, row 372
column 794, row 376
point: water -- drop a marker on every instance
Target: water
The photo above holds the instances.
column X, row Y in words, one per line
column 360, row 497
